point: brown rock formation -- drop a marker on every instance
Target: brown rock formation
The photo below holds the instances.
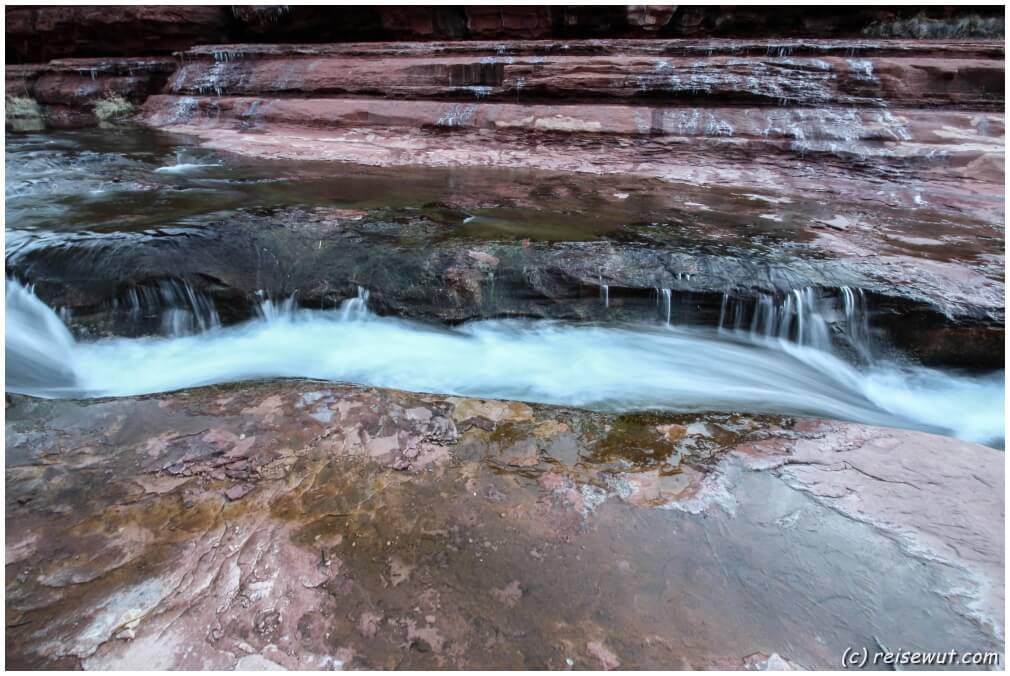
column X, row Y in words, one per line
column 795, row 80
column 701, row 150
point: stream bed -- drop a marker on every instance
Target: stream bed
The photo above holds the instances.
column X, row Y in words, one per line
column 317, row 415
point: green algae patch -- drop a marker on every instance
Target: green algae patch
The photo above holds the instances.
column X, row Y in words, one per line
column 23, row 113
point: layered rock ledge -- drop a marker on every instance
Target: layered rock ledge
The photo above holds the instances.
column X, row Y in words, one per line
column 630, row 163
column 309, row 525
column 883, row 114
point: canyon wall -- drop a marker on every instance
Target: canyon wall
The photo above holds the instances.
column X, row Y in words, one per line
column 41, row 33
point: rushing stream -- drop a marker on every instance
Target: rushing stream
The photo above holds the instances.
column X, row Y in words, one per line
column 620, row 368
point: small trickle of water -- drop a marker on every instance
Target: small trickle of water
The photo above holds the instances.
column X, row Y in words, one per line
column 355, row 308
column 857, row 320
column 605, row 294
column 664, row 297
column 182, row 166
column 272, row 311
column 183, row 310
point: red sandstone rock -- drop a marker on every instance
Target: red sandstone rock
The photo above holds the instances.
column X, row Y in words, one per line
column 20, row 79
column 805, row 81
column 39, row 33
column 962, row 185
column 69, row 88
column 522, row 22
column 652, row 47
column 606, row 658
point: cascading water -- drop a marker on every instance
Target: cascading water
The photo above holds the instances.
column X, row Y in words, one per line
column 39, row 348
column 664, row 297
column 857, row 321
column 181, row 308
column 270, row 310
column 804, row 316
column 617, row 368
column 355, row 308
column 182, row 165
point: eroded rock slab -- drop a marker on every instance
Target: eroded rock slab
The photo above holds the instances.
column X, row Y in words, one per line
column 308, row 525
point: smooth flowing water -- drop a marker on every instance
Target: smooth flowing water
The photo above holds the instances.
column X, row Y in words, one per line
column 613, row 368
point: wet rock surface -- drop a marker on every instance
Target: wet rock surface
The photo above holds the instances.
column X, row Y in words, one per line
column 718, row 71
column 757, row 164
column 308, row 525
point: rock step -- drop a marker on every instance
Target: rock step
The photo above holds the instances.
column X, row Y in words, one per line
column 716, row 72
column 321, row 264
column 657, row 47
column 920, row 81
column 69, row 88
column 961, row 179
column 900, row 134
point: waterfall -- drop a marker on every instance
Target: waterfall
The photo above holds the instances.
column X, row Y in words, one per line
column 351, row 309
column 272, row 311
column 664, row 297
column 605, row 294
column 857, row 321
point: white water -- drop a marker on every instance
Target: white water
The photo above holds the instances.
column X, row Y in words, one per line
column 607, row 368
column 183, row 167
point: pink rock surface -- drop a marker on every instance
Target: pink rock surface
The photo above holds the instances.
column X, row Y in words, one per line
column 335, row 560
